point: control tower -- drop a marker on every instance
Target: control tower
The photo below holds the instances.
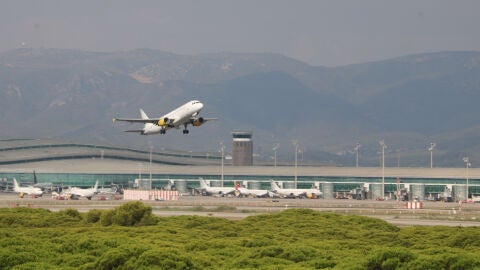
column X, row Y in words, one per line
column 242, row 148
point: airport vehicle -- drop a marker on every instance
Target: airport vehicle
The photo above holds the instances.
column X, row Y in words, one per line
column 476, row 199
column 220, row 191
column 295, row 192
column 26, row 190
column 185, row 115
column 59, row 196
column 245, row 192
column 75, row 192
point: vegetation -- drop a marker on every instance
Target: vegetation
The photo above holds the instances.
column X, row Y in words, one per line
column 130, row 237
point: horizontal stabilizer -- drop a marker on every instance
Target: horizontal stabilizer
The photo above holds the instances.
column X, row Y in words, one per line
column 134, row 130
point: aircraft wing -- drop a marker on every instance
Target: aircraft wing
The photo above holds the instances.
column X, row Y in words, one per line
column 210, row 119
column 137, row 120
column 134, row 130
column 203, row 119
column 198, row 121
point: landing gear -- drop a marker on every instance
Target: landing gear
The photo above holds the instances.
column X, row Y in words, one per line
column 185, row 131
column 162, row 131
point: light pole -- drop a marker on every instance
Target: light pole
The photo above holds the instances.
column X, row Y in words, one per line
column 222, row 148
column 295, row 143
column 140, row 173
column 432, row 145
column 150, row 168
column 467, row 165
column 357, row 146
column 275, row 148
column 382, row 144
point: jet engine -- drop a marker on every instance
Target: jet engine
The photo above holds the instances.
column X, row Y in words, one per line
column 163, row 122
column 198, row 122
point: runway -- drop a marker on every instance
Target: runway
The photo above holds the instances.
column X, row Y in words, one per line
column 433, row 213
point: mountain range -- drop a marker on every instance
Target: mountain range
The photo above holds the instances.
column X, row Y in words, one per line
column 408, row 101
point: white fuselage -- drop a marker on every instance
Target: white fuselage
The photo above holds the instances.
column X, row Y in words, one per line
column 26, row 190
column 253, row 192
column 89, row 192
column 83, row 192
column 294, row 192
column 215, row 190
column 180, row 116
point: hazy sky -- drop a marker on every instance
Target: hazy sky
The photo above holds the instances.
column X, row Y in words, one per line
column 329, row 33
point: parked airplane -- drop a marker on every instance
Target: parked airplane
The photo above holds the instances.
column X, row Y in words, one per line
column 26, row 190
column 295, row 192
column 252, row 192
column 185, row 115
column 45, row 186
column 88, row 193
column 221, row 191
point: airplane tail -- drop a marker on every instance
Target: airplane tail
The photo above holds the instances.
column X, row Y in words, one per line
column 146, row 126
column 95, row 188
column 144, row 116
column 15, row 184
column 274, row 185
column 203, row 184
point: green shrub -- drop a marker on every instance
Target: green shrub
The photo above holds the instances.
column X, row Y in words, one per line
column 164, row 258
column 133, row 213
column 106, row 218
column 116, row 258
column 37, row 266
column 72, row 213
column 297, row 253
column 293, row 239
column 390, row 258
column 271, row 251
column 453, row 260
column 93, row 216
column 10, row 258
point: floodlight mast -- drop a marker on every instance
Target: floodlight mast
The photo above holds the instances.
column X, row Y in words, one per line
column 357, row 146
column 150, row 166
column 467, row 165
column 295, row 143
column 222, row 149
column 383, row 145
column 275, row 148
column 432, row 146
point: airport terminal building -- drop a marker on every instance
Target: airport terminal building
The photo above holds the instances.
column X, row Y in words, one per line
column 82, row 165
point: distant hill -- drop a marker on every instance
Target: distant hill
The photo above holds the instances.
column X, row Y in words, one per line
column 408, row 101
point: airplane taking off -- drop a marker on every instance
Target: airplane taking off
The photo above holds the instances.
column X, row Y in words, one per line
column 26, row 190
column 185, row 115
column 88, row 193
column 222, row 191
column 295, row 192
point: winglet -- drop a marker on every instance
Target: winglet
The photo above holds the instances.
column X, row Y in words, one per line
column 114, row 120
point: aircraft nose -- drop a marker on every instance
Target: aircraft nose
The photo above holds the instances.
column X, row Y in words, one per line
column 200, row 105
